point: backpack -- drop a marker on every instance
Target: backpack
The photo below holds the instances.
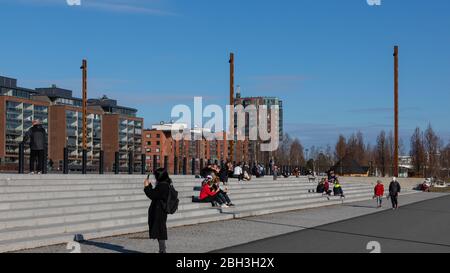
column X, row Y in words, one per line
column 171, row 206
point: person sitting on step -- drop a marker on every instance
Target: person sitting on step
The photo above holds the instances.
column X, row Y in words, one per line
column 222, row 192
column 337, row 189
column 210, row 195
column 321, row 186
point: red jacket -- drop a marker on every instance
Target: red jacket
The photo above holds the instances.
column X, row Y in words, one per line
column 326, row 186
column 379, row 190
column 206, row 191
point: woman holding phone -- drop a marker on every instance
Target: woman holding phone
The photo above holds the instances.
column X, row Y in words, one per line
column 157, row 216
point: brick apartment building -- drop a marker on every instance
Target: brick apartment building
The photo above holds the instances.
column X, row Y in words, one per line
column 110, row 127
column 159, row 145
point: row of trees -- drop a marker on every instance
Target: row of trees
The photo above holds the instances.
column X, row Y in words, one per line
column 430, row 157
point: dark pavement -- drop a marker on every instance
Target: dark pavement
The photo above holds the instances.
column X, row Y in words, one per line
column 422, row 227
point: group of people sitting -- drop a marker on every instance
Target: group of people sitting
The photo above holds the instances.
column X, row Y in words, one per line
column 211, row 190
column 324, row 186
column 241, row 171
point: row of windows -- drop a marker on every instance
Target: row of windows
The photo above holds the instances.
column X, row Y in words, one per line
column 149, row 150
column 150, row 143
column 69, row 102
column 149, row 135
column 15, row 93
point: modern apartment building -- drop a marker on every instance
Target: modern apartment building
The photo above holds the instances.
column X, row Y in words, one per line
column 122, row 132
column 250, row 150
column 66, row 127
column 110, row 127
column 17, row 111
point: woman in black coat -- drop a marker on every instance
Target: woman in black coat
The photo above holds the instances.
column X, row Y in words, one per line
column 157, row 217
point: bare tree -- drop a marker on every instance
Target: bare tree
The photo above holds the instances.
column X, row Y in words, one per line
column 381, row 153
column 431, row 143
column 340, row 148
column 296, row 153
column 417, row 151
column 445, row 159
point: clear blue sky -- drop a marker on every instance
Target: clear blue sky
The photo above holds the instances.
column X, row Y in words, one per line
column 330, row 61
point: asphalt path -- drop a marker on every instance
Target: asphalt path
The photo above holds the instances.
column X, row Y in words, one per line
column 422, row 227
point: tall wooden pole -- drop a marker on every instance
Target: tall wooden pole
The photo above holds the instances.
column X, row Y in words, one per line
column 231, row 148
column 84, row 67
column 396, row 142
column 84, row 110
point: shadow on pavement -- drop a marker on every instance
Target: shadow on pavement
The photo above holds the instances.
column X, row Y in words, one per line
column 116, row 248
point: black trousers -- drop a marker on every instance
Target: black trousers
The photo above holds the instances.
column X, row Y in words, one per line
column 212, row 199
column 394, row 200
column 37, row 156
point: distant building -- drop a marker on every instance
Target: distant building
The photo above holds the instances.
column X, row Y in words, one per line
column 122, row 132
column 347, row 166
column 17, row 111
column 405, row 166
column 249, row 150
column 160, row 145
column 110, row 127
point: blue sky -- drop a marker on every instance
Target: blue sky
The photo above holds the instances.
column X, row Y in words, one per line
column 330, row 61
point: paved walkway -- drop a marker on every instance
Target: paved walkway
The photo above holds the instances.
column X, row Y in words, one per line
column 220, row 235
column 422, row 227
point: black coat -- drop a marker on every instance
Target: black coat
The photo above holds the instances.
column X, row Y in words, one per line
column 223, row 174
column 394, row 188
column 157, row 217
column 37, row 137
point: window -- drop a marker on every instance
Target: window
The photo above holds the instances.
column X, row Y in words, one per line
column 148, row 136
column 149, row 143
column 149, row 150
column 158, row 143
column 158, row 135
column 157, row 150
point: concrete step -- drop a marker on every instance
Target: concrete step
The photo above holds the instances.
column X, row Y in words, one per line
column 80, row 199
column 185, row 204
column 89, row 234
column 42, row 203
column 76, row 227
column 49, row 210
column 68, row 218
column 39, row 195
column 84, row 181
column 241, row 201
column 141, row 226
column 110, row 186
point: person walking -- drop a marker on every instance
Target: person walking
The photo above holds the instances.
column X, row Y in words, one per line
column 37, row 138
column 394, row 190
column 378, row 193
column 157, row 216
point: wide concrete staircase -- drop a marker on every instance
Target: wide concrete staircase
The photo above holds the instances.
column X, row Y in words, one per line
column 44, row 210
